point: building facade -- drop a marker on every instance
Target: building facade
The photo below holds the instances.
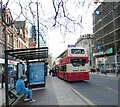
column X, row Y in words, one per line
column 106, row 35
column 10, row 38
column 86, row 41
column 7, row 36
column 33, row 33
column 22, row 33
column 32, row 43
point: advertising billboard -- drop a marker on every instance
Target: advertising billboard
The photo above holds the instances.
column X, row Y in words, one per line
column 36, row 73
column 20, row 70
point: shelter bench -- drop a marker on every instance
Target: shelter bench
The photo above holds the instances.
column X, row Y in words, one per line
column 13, row 97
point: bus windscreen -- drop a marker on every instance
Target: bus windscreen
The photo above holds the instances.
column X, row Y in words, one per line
column 77, row 51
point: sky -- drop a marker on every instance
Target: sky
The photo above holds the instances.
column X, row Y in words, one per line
column 56, row 42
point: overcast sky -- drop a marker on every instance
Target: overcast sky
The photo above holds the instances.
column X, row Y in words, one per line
column 56, row 42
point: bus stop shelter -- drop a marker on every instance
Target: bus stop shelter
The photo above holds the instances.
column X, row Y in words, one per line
column 28, row 55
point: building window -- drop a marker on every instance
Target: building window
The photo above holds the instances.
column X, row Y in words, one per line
column 118, row 46
column 15, row 43
column 117, row 23
column 10, row 39
column 109, row 38
column 3, row 36
column 86, row 43
column 2, row 48
column 118, row 34
column 108, row 28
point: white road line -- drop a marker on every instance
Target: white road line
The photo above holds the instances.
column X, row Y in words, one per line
column 81, row 96
column 111, row 89
column 99, row 81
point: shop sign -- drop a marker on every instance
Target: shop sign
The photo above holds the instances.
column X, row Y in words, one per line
column 2, row 61
column 109, row 51
column 98, row 53
column 10, row 62
column 99, row 47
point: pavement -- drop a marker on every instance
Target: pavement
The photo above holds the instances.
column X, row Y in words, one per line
column 56, row 92
column 2, row 96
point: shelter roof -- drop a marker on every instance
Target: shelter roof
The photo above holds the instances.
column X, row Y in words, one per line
column 29, row 53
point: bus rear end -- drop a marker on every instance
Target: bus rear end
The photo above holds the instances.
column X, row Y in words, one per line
column 77, row 69
column 75, row 66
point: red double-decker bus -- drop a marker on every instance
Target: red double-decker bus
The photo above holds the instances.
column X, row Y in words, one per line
column 73, row 64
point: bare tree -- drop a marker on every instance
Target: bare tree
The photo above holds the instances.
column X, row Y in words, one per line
column 67, row 15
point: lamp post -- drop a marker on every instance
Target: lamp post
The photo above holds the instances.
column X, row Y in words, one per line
column 90, row 59
column 38, row 24
column 38, row 28
column 115, row 50
column 6, row 57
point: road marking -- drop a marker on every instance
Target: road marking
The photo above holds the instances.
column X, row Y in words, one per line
column 85, row 99
column 111, row 89
column 99, row 81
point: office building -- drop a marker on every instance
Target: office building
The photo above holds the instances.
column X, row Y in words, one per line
column 106, row 36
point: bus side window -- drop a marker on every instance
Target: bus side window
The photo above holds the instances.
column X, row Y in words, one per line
column 64, row 68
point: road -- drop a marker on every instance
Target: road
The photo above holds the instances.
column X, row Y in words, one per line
column 100, row 89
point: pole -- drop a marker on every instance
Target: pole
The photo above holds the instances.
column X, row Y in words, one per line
column 38, row 24
column 38, row 28
column 6, row 60
column 0, row 9
column 6, row 78
column 115, row 50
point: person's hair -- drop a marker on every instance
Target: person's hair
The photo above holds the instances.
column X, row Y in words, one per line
column 23, row 77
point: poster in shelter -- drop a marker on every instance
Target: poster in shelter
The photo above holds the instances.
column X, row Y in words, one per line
column 36, row 73
column 20, row 70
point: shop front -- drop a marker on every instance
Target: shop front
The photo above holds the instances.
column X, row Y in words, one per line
column 107, row 61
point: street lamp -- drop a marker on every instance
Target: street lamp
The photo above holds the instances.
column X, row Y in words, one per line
column 38, row 24
column 97, row 12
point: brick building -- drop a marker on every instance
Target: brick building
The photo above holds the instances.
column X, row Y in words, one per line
column 32, row 43
column 11, row 36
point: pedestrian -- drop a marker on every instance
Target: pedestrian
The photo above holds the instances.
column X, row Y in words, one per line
column 50, row 72
column 3, row 79
column 98, row 70
column 53, row 73
column 21, row 89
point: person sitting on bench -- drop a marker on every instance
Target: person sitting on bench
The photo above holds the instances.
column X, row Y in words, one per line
column 21, row 89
